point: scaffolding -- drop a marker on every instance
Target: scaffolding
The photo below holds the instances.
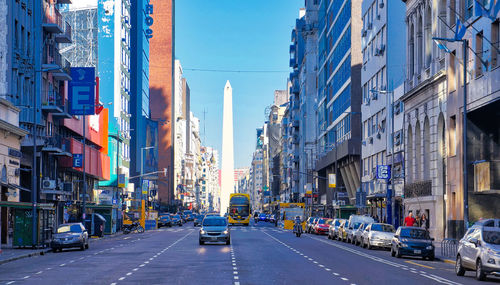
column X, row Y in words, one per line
column 82, row 51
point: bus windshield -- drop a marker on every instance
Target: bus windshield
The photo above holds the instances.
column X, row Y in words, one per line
column 241, row 211
column 239, row 200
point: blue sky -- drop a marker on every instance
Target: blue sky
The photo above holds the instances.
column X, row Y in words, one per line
column 234, row 35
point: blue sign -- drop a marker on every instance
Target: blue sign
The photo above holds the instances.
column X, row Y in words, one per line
column 77, row 160
column 383, row 171
column 82, row 91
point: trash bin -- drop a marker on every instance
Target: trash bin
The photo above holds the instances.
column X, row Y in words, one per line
column 95, row 225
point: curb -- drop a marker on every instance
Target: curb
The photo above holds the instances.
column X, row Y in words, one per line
column 42, row 252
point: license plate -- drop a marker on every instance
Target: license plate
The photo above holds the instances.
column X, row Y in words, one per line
column 213, row 238
column 417, row 251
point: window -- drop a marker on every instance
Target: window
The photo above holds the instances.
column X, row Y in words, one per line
column 469, row 7
column 453, row 135
column 495, row 39
column 452, row 80
column 479, row 54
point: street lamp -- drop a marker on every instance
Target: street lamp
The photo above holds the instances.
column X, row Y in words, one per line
column 465, row 46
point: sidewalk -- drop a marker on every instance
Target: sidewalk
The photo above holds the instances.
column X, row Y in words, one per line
column 9, row 254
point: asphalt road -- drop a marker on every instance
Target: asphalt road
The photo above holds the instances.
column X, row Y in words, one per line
column 259, row 254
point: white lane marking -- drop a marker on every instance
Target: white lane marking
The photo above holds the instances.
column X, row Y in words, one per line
column 235, row 272
column 315, row 262
column 236, row 283
column 113, row 284
column 26, row 277
column 128, row 274
column 10, row 282
column 336, row 274
column 236, row 277
column 321, row 265
column 39, row 272
column 146, row 262
column 62, row 264
column 234, row 264
column 135, row 269
column 121, row 278
column 71, row 261
column 343, row 278
column 49, row 268
column 142, row 265
column 327, row 269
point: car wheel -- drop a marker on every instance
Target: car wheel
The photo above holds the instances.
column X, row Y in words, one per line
column 54, row 249
column 201, row 242
column 459, row 269
column 479, row 271
column 392, row 252
column 87, row 245
column 368, row 246
column 82, row 247
column 431, row 257
column 398, row 254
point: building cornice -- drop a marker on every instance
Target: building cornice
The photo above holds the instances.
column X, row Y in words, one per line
column 439, row 75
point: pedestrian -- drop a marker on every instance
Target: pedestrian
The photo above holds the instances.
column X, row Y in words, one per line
column 410, row 220
column 424, row 223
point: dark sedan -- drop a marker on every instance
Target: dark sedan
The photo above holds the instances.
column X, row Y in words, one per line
column 412, row 241
column 197, row 220
column 176, row 220
column 164, row 221
column 70, row 235
column 262, row 217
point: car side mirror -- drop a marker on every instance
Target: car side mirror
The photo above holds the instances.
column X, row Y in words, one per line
column 396, row 236
column 474, row 241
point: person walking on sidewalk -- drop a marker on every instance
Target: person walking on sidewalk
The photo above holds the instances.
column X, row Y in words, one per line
column 410, row 220
column 424, row 223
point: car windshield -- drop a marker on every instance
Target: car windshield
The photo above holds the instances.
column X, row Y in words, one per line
column 414, row 233
column 382, row 228
column 492, row 237
column 321, row 221
column 337, row 223
column 176, row 217
column 69, row 228
column 214, row 222
column 356, row 226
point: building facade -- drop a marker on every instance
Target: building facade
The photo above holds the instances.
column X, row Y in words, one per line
column 379, row 78
column 339, row 99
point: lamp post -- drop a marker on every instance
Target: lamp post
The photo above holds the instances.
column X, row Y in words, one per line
column 465, row 47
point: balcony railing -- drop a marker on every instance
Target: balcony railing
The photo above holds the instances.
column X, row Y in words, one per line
column 57, row 144
column 52, row 19
column 53, row 102
column 65, row 36
column 418, row 189
column 52, row 57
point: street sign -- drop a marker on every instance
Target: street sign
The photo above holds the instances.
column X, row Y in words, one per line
column 332, row 180
column 121, row 180
column 82, row 91
column 383, row 171
column 77, row 160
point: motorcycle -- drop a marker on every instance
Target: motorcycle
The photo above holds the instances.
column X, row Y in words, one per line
column 297, row 229
column 134, row 227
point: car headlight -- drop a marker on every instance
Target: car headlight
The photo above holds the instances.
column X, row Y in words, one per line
column 225, row 232
column 403, row 245
column 202, row 232
column 429, row 247
column 491, row 261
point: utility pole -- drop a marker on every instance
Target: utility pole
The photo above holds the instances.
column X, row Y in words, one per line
column 465, row 45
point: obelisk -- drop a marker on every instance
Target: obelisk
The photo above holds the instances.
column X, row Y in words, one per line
column 227, row 170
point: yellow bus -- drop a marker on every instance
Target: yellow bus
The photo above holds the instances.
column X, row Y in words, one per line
column 239, row 209
column 288, row 212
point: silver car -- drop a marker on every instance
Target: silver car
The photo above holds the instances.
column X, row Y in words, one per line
column 479, row 249
column 214, row 229
column 356, row 234
column 333, row 230
column 377, row 235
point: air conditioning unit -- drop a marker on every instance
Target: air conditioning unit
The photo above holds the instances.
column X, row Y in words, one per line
column 48, row 184
column 378, row 17
column 381, row 4
column 377, row 52
column 382, row 48
column 370, row 26
column 379, row 135
column 374, row 95
column 383, row 87
column 370, row 140
column 397, row 140
column 363, row 33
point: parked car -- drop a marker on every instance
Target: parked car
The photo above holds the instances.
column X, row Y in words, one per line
column 214, row 229
column 321, row 227
column 334, row 228
column 309, row 224
column 342, row 231
column 70, row 235
column 377, row 235
column 357, row 234
column 176, row 220
column 354, row 222
column 412, row 241
column 262, row 217
column 188, row 214
column 197, row 220
column 164, row 221
column 479, row 249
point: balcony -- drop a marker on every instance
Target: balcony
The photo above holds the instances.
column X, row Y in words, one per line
column 53, row 102
column 52, row 20
column 296, row 123
column 64, row 73
column 51, row 58
column 63, row 1
column 57, row 145
column 295, row 89
column 65, row 36
column 293, row 63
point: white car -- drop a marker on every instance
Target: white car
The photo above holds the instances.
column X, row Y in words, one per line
column 479, row 249
column 377, row 235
